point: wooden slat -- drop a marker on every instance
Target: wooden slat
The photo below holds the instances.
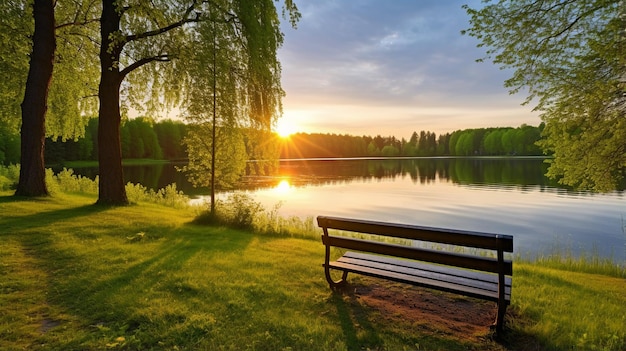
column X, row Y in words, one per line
column 486, row 264
column 437, row 235
column 491, row 278
column 418, row 281
column 451, row 275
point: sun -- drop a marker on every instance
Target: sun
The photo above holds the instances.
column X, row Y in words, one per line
column 284, row 128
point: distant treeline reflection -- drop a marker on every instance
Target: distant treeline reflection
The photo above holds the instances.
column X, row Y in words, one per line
column 514, row 171
column 477, row 171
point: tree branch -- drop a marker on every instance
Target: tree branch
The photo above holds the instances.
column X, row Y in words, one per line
column 570, row 25
column 174, row 25
column 77, row 23
column 144, row 61
column 81, row 10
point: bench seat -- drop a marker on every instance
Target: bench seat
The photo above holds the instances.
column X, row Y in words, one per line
column 459, row 281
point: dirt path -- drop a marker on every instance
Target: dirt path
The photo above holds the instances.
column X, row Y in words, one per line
column 447, row 313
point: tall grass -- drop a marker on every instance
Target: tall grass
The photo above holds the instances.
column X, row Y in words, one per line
column 239, row 210
column 584, row 262
column 562, row 256
column 66, row 181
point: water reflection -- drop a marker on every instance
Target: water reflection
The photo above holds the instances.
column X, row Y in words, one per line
column 520, row 172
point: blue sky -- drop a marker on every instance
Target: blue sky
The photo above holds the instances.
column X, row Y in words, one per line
column 368, row 67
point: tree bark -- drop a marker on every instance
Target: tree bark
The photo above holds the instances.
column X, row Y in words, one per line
column 32, row 181
column 111, row 187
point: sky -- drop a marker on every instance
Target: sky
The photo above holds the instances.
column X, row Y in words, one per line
column 371, row 67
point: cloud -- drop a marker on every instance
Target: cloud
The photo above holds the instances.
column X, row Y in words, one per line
column 400, row 59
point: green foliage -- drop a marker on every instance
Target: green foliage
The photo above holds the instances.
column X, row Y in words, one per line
column 168, row 196
column 239, row 210
column 72, row 91
column 230, row 156
column 68, row 182
column 16, row 28
column 9, row 176
column 234, row 93
column 389, row 151
column 9, row 146
column 263, row 151
column 170, row 135
column 468, row 142
column 143, row 140
column 465, row 145
column 570, row 58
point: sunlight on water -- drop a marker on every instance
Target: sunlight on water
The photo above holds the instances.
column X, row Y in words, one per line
column 283, row 188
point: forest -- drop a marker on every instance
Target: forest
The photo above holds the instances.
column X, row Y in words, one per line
column 520, row 141
column 148, row 139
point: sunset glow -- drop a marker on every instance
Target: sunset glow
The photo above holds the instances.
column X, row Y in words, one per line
column 284, row 128
column 396, row 68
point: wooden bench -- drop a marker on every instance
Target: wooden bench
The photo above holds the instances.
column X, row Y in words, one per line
column 470, row 272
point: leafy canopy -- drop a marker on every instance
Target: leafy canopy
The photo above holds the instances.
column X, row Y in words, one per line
column 570, row 58
column 72, row 96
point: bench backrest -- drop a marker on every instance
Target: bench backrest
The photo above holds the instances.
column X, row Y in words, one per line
column 497, row 242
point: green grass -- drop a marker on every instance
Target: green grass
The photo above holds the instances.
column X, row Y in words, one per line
column 76, row 276
column 570, row 310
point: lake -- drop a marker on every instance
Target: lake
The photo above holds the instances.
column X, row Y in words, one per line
column 499, row 195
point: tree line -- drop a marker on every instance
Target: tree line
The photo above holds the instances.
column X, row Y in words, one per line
column 144, row 137
column 520, row 141
column 140, row 138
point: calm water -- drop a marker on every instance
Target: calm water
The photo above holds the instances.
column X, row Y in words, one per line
column 509, row 196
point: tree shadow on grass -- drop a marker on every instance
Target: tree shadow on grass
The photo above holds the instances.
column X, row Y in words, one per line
column 354, row 319
column 17, row 222
column 106, row 299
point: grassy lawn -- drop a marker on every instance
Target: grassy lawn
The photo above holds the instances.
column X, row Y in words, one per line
column 75, row 276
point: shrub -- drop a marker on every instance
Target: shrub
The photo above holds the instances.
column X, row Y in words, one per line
column 168, row 196
column 9, row 175
column 68, row 182
column 239, row 210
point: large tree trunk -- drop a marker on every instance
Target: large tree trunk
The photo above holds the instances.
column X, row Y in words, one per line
column 111, row 185
column 32, row 180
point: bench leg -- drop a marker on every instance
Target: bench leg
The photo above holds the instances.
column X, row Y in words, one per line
column 335, row 284
column 498, row 324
